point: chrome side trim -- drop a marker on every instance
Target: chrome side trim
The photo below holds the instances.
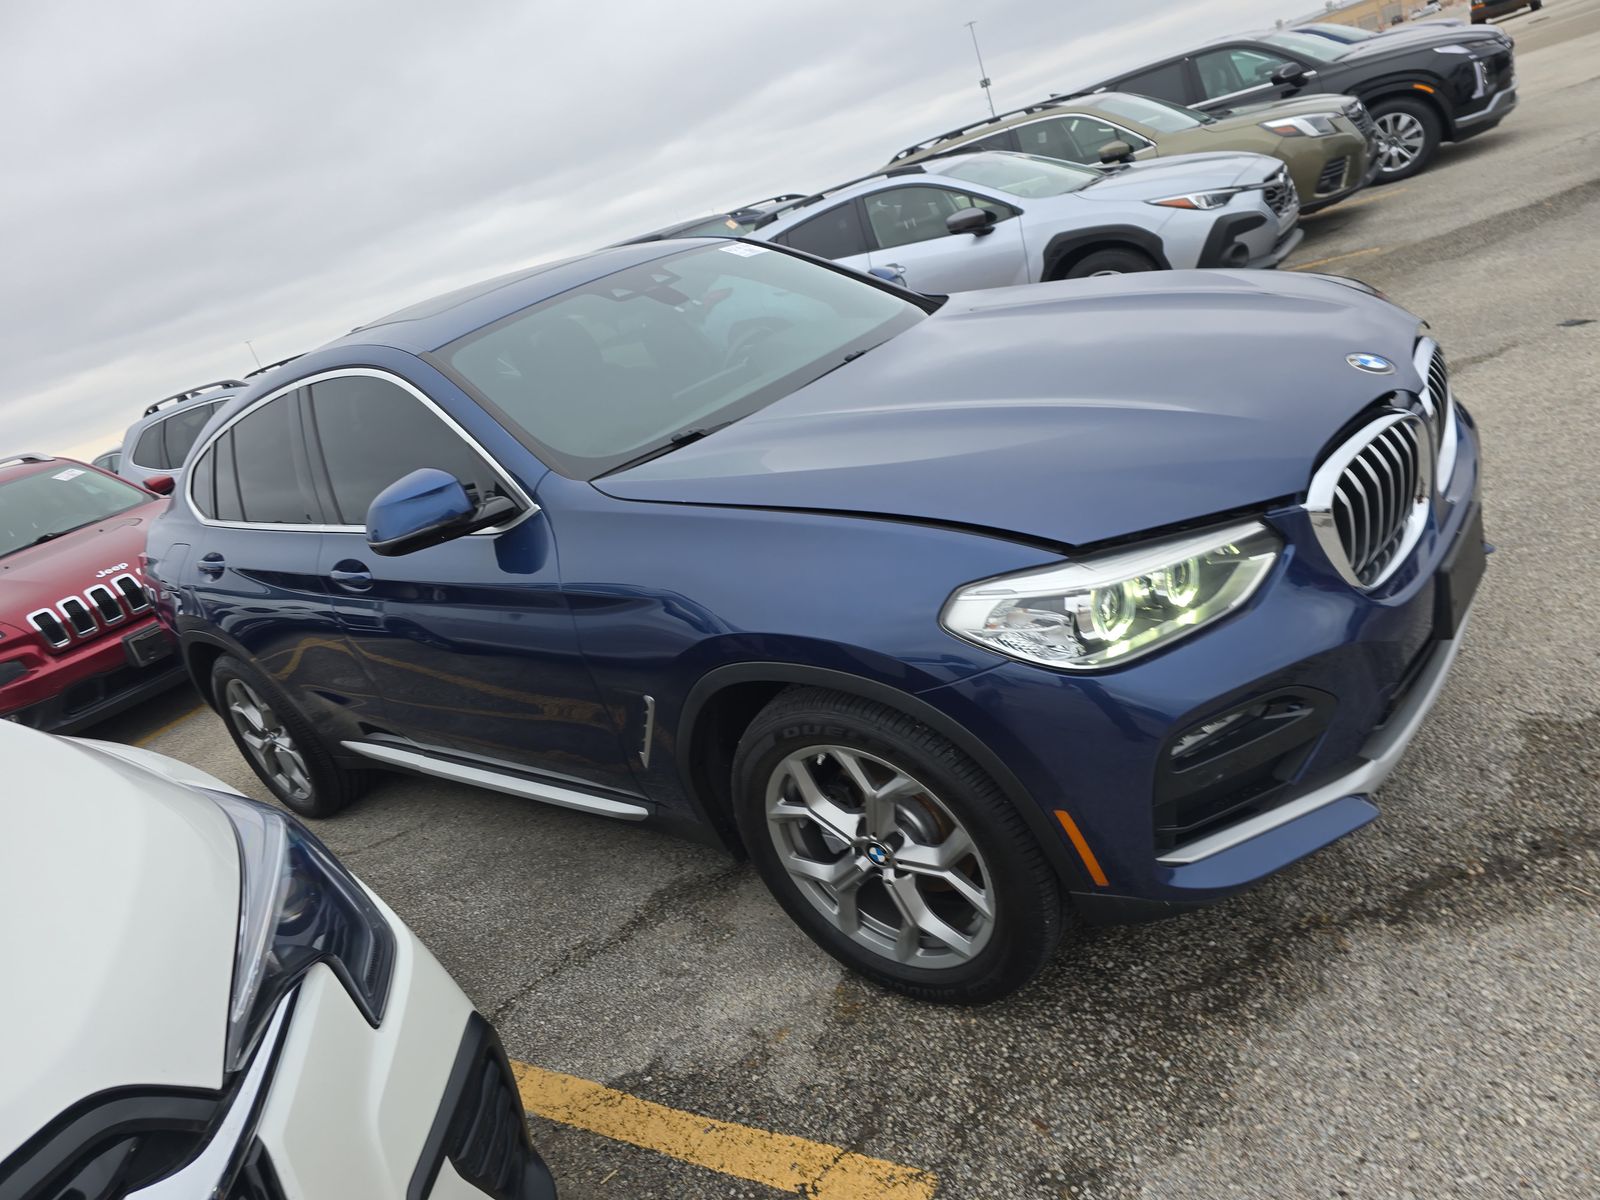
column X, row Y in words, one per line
column 209, row 1170
column 528, row 507
column 1383, row 752
column 495, row 781
column 649, row 730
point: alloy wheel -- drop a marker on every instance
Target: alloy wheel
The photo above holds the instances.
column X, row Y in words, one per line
column 1401, row 138
column 880, row 856
column 269, row 742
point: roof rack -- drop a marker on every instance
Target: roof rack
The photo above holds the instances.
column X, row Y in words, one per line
column 270, row 366
column 806, row 201
column 179, row 397
column 930, row 143
column 785, row 198
column 27, row 456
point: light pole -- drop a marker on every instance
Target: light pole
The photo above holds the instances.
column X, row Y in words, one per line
column 983, row 82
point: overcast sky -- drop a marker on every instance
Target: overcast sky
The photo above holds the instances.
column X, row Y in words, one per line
column 179, row 177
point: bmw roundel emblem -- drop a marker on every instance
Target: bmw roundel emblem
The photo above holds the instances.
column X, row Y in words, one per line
column 877, row 855
column 1373, row 364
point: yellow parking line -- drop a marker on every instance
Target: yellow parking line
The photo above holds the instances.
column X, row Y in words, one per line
column 1373, row 195
column 169, row 726
column 789, row 1164
column 1322, row 262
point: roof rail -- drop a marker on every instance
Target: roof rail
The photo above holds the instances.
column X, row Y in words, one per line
column 26, row 456
column 270, row 366
column 930, row 143
column 179, row 397
column 784, row 198
column 807, row 201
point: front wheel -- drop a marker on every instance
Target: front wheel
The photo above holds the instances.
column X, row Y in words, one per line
column 1109, row 262
column 1408, row 135
column 892, row 850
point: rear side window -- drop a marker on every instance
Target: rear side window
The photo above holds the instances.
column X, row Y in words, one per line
column 1167, row 82
column 269, row 471
column 148, row 450
column 214, row 484
column 836, row 233
column 164, row 445
column 373, row 432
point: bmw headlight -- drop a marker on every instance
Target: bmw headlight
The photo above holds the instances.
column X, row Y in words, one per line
column 1311, row 125
column 1108, row 609
column 1204, row 201
column 298, row 906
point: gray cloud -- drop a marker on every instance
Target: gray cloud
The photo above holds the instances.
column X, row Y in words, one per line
column 181, row 177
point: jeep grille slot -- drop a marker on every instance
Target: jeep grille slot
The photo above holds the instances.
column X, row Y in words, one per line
column 78, row 616
column 105, row 603
column 133, row 593
column 50, row 627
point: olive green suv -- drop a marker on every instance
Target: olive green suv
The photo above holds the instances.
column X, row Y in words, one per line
column 1327, row 142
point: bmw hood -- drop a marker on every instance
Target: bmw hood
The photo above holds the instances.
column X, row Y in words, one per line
column 1173, row 174
column 1071, row 413
column 121, row 892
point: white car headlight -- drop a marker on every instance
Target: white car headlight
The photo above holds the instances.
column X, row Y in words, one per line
column 1204, row 201
column 298, row 906
column 1310, row 125
column 1108, row 609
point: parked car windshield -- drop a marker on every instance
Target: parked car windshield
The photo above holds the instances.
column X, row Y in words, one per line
column 641, row 360
column 1309, row 46
column 1020, row 174
column 1156, row 114
column 45, row 504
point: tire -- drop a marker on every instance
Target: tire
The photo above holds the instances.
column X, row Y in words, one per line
column 296, row 764
column 1408, row 133
column 897, row 919
column 1109, row 262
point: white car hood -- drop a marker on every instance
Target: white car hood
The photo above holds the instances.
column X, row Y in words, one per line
column 120, row 895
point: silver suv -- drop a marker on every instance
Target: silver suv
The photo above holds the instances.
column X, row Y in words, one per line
column 157, row 443
column 993, row 219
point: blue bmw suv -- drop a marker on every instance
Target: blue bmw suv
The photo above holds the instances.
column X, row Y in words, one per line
column 965, row 617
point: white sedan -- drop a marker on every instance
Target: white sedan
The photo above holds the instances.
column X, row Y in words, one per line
column 200, row 1001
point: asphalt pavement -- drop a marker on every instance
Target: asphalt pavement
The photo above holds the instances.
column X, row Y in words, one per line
column 1413, row 1012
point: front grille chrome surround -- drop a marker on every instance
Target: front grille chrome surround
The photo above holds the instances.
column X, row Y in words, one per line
column 50, row 627
column 134, row 594
column 1370, row 501
column 1439, row 402
column 105, row 603
column 79, row 616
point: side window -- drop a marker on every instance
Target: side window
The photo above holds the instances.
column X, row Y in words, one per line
column 901, row 216
column 1075, row 138
column 273, row 487
column 1236, row 69
column 203, row 481
column 180, row 430
column 1005, row 140
column 836, row 233
column 372, row 432
column 148, row 451
column 228, row 506
column 1166, row 82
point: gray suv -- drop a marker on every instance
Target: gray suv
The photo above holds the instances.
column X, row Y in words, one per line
column 993, row 219
column 157, row 442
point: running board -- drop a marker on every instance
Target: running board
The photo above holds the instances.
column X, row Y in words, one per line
column 512, row 785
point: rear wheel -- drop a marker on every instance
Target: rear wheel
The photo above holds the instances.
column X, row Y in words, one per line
column 1408, row 135
column 281, row 746
column 1116, row 261
column 892, row 850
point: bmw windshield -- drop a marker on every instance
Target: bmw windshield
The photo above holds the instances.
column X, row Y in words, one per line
column 45, row 504
column 635, row 363
column 1020, row 174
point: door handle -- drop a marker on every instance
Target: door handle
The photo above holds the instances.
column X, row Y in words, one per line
column 352, row 576
column 212, row 564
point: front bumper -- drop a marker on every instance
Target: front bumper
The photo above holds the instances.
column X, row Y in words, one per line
column 63, row 693
column 1331, row 168
column 1099, row 747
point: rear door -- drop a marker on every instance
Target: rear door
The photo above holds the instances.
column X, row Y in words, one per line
column 470, row 644
column 907, row 223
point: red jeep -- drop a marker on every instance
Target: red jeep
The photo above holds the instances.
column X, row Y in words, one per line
column 78, row 639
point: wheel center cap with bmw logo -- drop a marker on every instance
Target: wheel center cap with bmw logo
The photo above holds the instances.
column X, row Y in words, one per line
column 877, row 854
column 1373, row 364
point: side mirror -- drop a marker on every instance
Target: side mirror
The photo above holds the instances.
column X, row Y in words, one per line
column 888, row 275
column 1116, row 151
column 976, row 221
column 426, row 508
column 1290, row 74
column 161, row 485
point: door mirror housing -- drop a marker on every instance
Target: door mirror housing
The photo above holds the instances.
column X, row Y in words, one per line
column 161, row 485
column 426, row 508
column 1291, row 74
column 976, row 221
column 1116, row 152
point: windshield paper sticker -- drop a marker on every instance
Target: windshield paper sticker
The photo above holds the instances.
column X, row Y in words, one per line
column 70, row 474
column 742, row 250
